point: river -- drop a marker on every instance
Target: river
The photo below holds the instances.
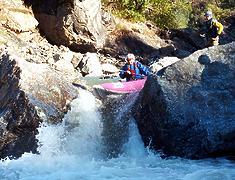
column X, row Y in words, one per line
column 74, row 150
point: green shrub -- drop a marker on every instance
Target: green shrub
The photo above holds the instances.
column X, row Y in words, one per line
column 169, row 13
column 218, row 12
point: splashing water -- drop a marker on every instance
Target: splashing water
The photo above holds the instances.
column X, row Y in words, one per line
column 72, row 150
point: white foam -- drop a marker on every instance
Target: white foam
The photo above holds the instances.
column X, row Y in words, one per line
column 72, row 151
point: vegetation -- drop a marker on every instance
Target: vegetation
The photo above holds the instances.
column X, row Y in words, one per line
column 169, row 13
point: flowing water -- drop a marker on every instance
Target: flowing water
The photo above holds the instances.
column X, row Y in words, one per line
column 74, row 150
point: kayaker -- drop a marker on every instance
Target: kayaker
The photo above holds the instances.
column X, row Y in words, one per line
column 133, row 69
column 212, row 29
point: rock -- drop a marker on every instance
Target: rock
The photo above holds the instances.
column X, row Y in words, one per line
column 77, row 57
column 108, row 19
column 16, row 17
column 187, row 39
column 18, row 118
column 188, row 111
column 126, row 37
column 181, row 53
column 47, row 89
column 167, row 51
column 116, row 114
column 64, row 64
column 75, row 24
column 162, row 63
column 109, row 68
column 90, row 65
column 65, row 67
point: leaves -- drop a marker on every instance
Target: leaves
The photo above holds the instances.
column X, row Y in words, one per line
column 168, row 14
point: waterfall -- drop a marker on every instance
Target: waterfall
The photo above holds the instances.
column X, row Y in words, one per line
column 74, row 150
column 84, row 138
column 134, row 148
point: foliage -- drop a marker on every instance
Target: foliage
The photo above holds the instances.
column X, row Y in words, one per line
column 218, row 12
column 169, row 13
column 229, row 4
column 131, row 10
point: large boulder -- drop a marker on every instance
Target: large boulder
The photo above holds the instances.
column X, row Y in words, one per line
column 30, row 93
column 50, row 91
column 18, row 118
column 16, row 17
column 75, row 24
column 188, row 111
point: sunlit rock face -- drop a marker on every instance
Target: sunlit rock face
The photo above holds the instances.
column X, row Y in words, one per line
column 18, row 117
column 188, row 110
column 76, row 24
column 30, row 93
column 16, row 17
column 50, row 91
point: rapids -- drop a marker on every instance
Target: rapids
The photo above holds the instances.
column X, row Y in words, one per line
column 74, row 150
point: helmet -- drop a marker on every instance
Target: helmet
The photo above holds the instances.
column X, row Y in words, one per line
column 130, row 56
column 208, row 14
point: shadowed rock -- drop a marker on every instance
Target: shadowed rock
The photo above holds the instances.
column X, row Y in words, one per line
column 18, row 118
column 75, row 24
column 188, row 111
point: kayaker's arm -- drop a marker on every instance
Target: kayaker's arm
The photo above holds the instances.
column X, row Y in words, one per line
column 122, row 72
column 143, row 69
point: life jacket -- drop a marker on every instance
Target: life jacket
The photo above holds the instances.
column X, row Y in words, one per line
column 211, row 28
column 132, row 70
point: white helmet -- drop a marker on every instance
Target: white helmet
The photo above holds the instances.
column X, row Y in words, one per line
column 208, row 14
column 130, row 56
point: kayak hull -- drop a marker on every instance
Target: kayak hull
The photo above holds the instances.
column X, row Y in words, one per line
column 118, row 88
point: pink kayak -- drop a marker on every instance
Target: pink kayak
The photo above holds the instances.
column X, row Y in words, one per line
column 102, row 90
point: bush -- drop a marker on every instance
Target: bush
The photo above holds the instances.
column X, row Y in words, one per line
column 169, row 14
column 218, row 12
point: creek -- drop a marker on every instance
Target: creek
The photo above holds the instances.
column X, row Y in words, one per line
column 75, row 150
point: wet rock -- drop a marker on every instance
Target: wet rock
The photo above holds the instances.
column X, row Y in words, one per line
column 18, row 118
column 188, row 110
column 116, row 115
column 49, row 90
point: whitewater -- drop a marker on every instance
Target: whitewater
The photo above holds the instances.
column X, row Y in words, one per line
column 75, row 150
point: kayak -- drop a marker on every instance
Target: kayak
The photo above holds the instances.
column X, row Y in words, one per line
column 115, row 88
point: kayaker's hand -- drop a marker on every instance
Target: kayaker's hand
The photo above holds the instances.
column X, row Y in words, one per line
column 215, row 38
column 128, row 72
column 202, row 35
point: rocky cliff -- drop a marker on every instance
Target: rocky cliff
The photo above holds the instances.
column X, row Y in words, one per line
column 75, row 24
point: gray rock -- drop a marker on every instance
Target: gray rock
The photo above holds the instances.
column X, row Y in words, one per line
column 17, row 17
column 18, row 118
column 49, row 90
column 188, row 111
column 75, row 24
column 90, row 65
